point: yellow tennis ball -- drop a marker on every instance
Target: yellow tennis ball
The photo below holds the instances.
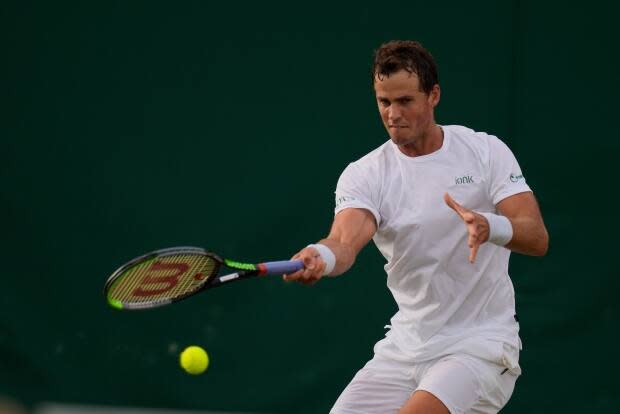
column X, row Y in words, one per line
column 194, row 360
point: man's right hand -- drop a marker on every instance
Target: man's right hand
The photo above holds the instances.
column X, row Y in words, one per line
column 314, row 266
column 351, row 230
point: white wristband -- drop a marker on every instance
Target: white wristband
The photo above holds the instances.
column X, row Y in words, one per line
column 327, row 255
column 500, row 229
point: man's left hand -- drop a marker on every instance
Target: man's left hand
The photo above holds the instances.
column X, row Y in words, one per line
column 477, row 226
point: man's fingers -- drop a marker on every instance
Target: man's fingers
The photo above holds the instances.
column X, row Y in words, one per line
column 473, row 230
column 304, row 276
column 312, row 271
column 304, row 273
column 472, row 239
column 473, row 253
column 309, row 263
column 308, row 257
column 296, row 275
column 468, row 217
column 453, row 204
column 293, row 276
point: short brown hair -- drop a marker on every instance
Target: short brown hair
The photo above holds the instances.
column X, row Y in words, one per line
column 409, row 55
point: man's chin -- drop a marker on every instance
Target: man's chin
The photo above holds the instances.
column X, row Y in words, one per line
column 400, row 140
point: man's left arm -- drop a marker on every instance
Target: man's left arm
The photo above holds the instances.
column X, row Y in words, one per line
column 529, row 234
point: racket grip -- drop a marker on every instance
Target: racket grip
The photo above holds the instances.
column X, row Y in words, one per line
column 280, row 268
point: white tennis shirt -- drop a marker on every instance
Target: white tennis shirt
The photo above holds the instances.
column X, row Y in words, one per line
column 445, row 303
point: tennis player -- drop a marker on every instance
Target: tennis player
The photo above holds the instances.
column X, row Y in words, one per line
column 445, row 206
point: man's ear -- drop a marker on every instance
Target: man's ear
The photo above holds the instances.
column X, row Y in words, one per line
column 434, row 96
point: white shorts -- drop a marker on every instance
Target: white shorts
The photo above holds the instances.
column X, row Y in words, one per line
column 464, row 383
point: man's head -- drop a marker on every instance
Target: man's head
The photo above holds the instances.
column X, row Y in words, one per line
column 408, row 55
column 406, row 87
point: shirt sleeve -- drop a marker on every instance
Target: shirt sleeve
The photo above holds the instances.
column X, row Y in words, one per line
column 505, row 175
column 354, row 191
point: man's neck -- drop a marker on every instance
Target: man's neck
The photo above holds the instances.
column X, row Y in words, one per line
column 426, row 144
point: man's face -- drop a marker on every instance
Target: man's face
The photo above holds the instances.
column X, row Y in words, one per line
column 406, row 111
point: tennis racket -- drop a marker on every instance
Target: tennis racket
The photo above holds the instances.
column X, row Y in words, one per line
column 169, row 275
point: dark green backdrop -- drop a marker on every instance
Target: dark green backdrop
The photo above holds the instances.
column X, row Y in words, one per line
column 130, row 126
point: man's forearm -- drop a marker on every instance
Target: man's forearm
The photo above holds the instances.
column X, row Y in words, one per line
column 345, row 255
column 529, row 236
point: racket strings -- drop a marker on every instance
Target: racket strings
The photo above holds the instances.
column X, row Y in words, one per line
column 163, row 278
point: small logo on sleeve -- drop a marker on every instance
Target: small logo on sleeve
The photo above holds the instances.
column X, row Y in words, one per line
column 343, row 199
column 516, row 178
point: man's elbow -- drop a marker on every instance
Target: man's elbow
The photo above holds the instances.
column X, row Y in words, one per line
column 542, row 247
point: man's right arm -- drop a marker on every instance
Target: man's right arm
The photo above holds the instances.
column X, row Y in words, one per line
column 351, row 231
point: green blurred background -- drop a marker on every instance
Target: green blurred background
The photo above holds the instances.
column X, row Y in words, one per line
column 131, row 126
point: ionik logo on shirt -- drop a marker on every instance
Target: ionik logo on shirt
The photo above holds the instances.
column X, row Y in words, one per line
column 515, row 178
column 343, row 199
column 466, row 179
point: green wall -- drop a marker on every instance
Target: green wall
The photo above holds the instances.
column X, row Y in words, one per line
column 131, row 126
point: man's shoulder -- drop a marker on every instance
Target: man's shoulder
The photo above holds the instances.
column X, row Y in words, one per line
column 481, row 145
column 376, row 156
column 469, row 136
column 372, row 165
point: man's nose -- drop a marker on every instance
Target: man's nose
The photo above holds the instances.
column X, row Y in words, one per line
column 393, row 113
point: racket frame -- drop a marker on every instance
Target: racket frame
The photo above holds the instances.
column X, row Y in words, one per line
column 242, row 271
